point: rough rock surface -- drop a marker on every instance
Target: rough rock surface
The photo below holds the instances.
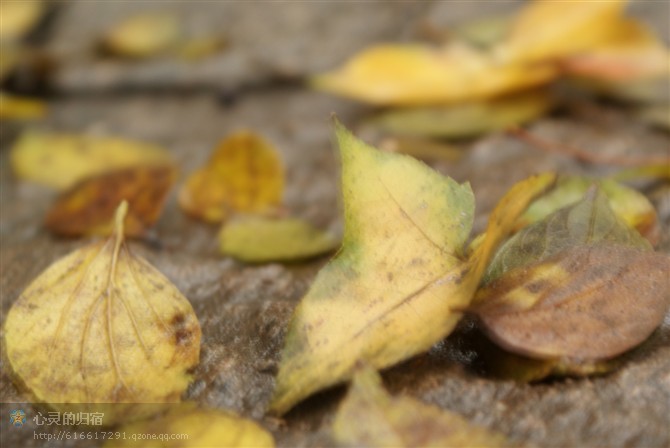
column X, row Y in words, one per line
column 244, row 309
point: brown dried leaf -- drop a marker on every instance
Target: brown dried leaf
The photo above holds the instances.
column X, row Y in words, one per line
column 88, row 207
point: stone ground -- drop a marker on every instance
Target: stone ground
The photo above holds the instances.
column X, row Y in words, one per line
column 243, row 309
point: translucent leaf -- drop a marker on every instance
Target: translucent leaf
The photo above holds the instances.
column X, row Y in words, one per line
column 88, row 207
column 629, row 205
column 194, row 428
column 401, row 279
column 62, row 160
column 244, row 175
column 547, row 29
column 103, row 326
column 369, row 417
column 584, row 303
column 588, row 222
column 421, row 75
column 259, row 240
column 142, row 35
column 467, row 119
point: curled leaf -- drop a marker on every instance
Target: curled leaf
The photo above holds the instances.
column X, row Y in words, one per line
column 466, row 119
column 62, row 160
column 194, row 428
column 259, row 240
column 419, row 75
column 369, row 417
column 103, row 326
column 142, row 35
column 88, row 207
column 244, row 175
column 401, row 280
column 584, row 303
column 629, row 205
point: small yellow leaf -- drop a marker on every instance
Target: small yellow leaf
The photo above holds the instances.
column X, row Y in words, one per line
column 244, row 175
column 20, row 108
column 18, row 18
column 259, row 240
column 484, row 32
column 369, row 417
column 466, row 119
column 62, row 160
column 143, row 35
column 630, row 205
column 88, row 208
column 401, row 280
column 194, row 428
column 550, row 29
column 103, row 326
column 201, row 47
column 420, row 75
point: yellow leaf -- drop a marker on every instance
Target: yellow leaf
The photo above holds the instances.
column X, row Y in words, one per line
column 369, row 417
column 416, row 75
column 103, row 326
column 19, row 108
column 18, row 18
column 88, row 208
column 633, row 52
column 466, row 119
column 401, row 280
column 549, row 29
column 143, row 35
column 194, row 428
column 62, row 160
column 201, row 47
column 259, row 240
column 484, row 32
column 243, row 175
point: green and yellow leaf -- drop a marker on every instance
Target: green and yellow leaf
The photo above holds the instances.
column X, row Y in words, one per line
column 262, row 240
column 401, row 280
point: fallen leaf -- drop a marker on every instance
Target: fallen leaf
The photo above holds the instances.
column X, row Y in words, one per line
column 547, row 29
column 194, row 428
column 62, row 160
column 587, row 222
column 244, row 175
column 143, row 35
column 18, row 18
column 586, row 303
column 421, row 75
column 88, row 207
column 369, row 417
column 19, row 108
column 262, row 240
column 629, row 204
column 103, row 326
column 401, row 279
column 465, row 119
column 632, row 52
